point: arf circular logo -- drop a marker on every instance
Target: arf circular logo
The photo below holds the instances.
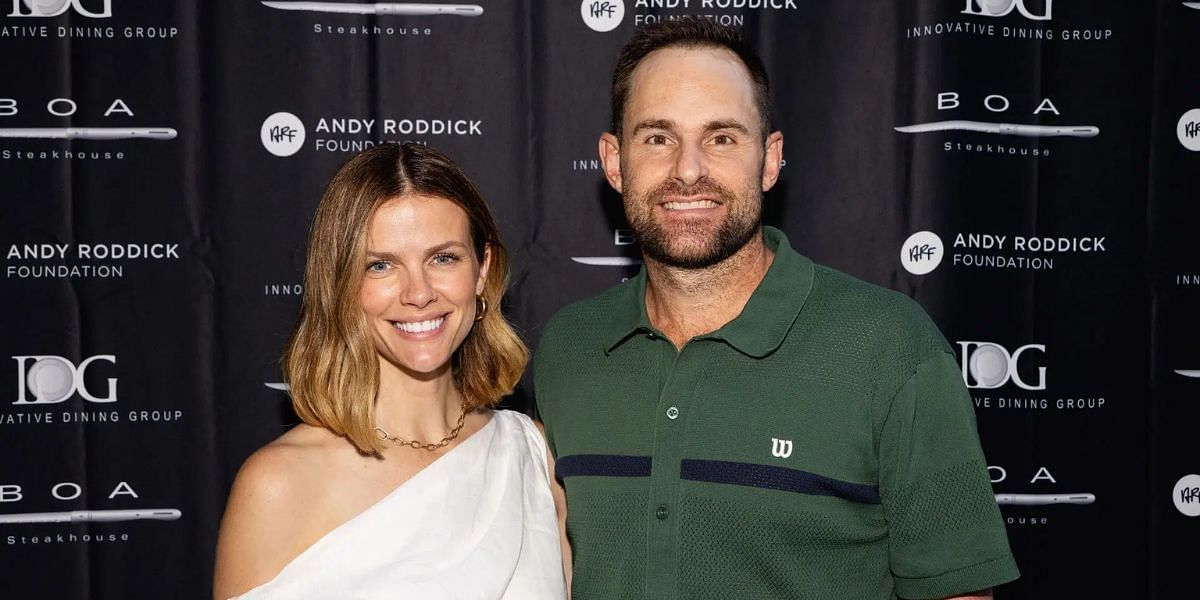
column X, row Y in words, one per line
column 922, row 252
column 1187, row 495
column 282, row 134
column 1188, row 130
column 602, row 15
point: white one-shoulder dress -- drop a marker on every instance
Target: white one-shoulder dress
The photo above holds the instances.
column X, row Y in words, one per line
column 479, row 523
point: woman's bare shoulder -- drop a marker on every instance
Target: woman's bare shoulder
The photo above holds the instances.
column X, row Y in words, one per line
column 275, row 500
column 290, row 463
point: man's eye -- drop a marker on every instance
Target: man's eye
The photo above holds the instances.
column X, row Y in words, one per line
column 723, row 139
column 656, row 139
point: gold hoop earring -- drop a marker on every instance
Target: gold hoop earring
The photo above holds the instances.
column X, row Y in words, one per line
column 480, row 307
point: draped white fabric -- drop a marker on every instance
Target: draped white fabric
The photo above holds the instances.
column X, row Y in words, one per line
column 479, row 523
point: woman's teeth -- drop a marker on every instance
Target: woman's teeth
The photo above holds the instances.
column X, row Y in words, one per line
column 420, row 326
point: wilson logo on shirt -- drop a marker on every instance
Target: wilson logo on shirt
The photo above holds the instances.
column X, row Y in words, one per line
column 781, row 448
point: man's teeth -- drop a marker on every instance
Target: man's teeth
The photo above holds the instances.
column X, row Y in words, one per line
column 419, row 326
column 690, row 205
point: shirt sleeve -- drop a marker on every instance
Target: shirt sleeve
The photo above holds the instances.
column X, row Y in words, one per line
column 946, row 535
column 540, row 366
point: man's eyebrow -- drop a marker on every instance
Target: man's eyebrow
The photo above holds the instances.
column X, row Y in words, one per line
column 726, row 124
column 669, row 125
column 655, row 124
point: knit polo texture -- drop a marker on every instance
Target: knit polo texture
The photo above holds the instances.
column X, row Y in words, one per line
column 820, row 445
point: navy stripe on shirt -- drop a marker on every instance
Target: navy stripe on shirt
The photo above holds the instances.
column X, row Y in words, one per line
column 776, row 478
column 601, row 465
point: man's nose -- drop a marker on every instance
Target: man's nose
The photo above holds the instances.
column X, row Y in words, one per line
column 690, row 164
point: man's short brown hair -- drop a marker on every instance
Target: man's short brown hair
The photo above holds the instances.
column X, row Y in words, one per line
column 687, row 32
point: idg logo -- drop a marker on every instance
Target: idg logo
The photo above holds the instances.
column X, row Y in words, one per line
column 53, row 379
column 987, row 365
column 54, row 8
column 1000, row 8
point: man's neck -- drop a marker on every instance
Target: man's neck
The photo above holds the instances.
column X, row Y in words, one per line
column 685, row 303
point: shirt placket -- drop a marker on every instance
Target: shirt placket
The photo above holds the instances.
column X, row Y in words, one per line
column 671, row 413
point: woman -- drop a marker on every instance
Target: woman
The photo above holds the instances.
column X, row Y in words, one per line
column 401, row 482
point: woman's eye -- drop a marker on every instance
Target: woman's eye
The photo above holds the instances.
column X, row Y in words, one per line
column 378, row 266
column 444, row 259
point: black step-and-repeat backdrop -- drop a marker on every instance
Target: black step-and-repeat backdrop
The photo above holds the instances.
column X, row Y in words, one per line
column 1025, row 169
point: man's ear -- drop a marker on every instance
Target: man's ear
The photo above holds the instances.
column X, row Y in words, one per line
column 610, row 158
column 772, row 160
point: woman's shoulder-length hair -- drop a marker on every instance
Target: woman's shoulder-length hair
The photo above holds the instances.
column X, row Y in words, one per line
column 330, row 363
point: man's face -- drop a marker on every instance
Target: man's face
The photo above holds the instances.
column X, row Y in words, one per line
column 691, row 163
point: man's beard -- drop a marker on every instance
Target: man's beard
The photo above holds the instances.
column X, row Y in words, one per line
column 741, row 223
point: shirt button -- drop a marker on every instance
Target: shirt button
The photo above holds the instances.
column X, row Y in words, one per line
column 672, row 413
column 661, row 512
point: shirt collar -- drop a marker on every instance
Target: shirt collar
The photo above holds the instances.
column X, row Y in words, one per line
column 762, row 324
column 629, row 313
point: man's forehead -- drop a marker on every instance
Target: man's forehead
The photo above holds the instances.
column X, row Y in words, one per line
column 682, row 61
column 669, row 72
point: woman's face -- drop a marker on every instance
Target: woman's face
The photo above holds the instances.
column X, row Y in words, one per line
column 420, row 279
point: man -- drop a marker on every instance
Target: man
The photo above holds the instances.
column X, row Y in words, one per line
column 737, row 422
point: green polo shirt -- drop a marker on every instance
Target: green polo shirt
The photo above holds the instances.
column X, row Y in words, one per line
column 821, row 445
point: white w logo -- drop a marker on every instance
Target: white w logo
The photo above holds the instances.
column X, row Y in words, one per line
column 781, row 448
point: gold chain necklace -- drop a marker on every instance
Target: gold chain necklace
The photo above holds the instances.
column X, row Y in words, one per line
column 387, row 437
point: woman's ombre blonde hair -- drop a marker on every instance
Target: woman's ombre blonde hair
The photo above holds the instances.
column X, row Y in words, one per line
column 330, row 362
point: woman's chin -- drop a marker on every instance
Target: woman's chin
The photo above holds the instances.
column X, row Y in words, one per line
column 423, row 368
